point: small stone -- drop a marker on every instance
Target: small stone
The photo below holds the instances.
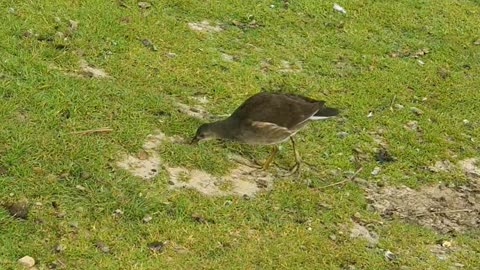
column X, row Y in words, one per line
column 339, row 8
column 227, row 57
column 59, row 248
column 147, row 219
column 383, row 156
column 102, row 246
column 332, row 237
column 73, row 25
column 156, row 246
column 118, row 212
column 85, row 175
column 171, row 55
column 412, row 125
column 389, row 256
column 60, row 35
column 466, row 122
column 27, row 261
column 80, row 187
column 375, row 171
column 11, row 10
column 446, row 244
column 416, row 111
column 370, row 114
column 357, row 215
column 149, row 44
column 272, row 6
column 458, row 265
column 342, row 134
column 73, row 224
column 144, row 5
column 420, row 62
column 57, row 20
column 398, row 106
column 477, row 42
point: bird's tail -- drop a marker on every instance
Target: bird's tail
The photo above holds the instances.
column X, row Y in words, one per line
column 324, row 113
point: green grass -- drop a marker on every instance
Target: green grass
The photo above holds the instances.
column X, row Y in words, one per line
column 344, row 59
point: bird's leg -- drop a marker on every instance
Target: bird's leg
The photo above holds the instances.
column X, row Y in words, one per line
column 298, row 159
column 270, row 158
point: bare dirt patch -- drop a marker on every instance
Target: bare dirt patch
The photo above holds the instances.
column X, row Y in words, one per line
column 243, row 180
column 86, row 70
column 359, row 231
column 442, row 208
column 204, row 26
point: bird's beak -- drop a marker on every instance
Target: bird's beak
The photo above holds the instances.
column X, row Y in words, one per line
column 194, row 141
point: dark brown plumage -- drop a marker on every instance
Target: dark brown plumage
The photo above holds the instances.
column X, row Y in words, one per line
column 267, row 118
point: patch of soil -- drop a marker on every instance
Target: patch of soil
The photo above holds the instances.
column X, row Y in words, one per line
column 195, row 111
column 359, row 231
column 438, row 207
column 204, row 26
column 88, row 71
column 241, row 181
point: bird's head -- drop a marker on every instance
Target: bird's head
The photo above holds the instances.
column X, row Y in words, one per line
column 204, row 132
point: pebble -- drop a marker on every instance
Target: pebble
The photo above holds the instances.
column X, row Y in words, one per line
column 171, row 55
column 73, row 224
column 342, row 134
column 156, row 246
column 144, row 5
column 147, row 219
column 11, row 10
column 376, row 171
column 102, row 246
column 80, row 187
column 398, row 106
column 416, row 111
column 118, row 212
column 466, row 122
column 389, row 256
column 332, row 237
column 59, row 248
column 27, row 261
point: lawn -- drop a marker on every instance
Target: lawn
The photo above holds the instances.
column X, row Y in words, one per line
column 403, row 73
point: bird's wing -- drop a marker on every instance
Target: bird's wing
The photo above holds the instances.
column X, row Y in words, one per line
column 282, row 110
column 270, row 130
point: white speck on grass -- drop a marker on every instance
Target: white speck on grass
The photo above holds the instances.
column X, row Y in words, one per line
column 339, row 8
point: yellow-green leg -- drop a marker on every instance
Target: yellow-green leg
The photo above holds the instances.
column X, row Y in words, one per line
column 270, row 158
column 298, row 159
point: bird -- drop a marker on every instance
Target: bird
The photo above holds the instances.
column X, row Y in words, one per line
column 267, row 118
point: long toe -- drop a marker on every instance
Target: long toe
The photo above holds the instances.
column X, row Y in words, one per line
column 295, row 170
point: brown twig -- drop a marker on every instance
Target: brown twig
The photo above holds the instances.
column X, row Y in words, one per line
column 90, row 131
column 344, row 180
column 444, row 212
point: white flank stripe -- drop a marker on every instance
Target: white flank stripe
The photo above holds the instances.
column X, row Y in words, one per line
column 319, row 117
